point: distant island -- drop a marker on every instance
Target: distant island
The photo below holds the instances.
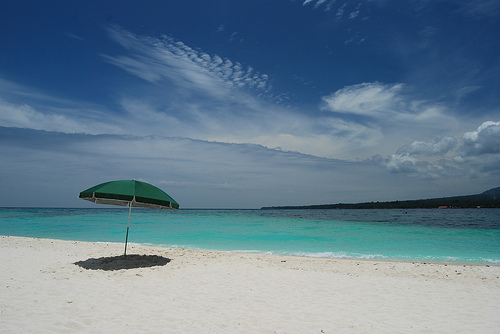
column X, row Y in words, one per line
column 487, row 199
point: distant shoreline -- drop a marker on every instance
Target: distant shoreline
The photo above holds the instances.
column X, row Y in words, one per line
column 487, row 200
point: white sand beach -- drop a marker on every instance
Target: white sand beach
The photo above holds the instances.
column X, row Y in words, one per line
column 190, row 291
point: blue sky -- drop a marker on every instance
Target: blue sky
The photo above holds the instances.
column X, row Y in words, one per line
column 243, row 104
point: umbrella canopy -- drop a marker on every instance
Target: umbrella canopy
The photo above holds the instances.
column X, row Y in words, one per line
column 131, row 193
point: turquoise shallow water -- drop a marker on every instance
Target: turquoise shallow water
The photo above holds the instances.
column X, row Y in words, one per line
column 432, row 235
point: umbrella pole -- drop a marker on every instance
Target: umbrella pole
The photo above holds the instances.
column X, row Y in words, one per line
column 128, row 225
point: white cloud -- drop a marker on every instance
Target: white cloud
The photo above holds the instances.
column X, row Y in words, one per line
column 485, row 140
column 391, row 110
column 61, row 120
column 367, row 99
column 154, row 59
column 319, row 3
column 329, row 5
column 440, row 147
column 401, row 162
column 478, row 156
column 355, row 13
column 480, row 152
column 74, row 36
column 410, row 165
column 480, row 9
column 135, row 67
column 340, row 11
column 423, row 159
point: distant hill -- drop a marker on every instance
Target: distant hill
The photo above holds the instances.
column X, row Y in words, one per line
column 487, row 199
column 492, row 192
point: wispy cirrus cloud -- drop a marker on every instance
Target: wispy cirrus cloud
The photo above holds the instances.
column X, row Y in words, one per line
column 367, row 99
column 319, row 3
column 387, row 105
column 30, row 108
column 479, row 9
column 154, row 59
column 344, row 10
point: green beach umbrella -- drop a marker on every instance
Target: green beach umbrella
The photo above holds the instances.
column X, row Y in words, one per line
column 131, row 193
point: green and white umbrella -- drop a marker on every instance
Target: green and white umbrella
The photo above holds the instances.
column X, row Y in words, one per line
column 131, row 193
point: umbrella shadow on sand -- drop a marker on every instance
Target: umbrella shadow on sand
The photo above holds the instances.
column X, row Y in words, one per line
column 122, row 262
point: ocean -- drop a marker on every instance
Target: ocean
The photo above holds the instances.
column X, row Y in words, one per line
column 450, row 235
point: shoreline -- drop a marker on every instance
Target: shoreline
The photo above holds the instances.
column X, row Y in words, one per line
column 257, row 252
column 134, row 245
column 46, row 287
